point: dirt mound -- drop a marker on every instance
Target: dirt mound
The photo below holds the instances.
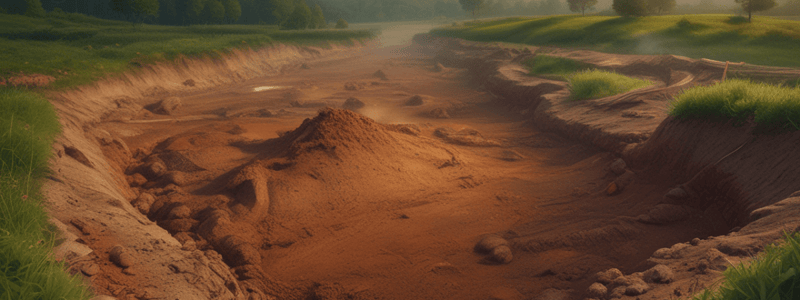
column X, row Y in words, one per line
column 353, row 104
column 466, row 137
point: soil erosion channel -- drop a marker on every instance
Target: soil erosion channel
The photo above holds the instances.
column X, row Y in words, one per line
column 374, row 176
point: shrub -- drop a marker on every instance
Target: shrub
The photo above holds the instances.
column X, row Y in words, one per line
column 341, row 24
column 34, row 9
column 630, row 8
column 736, row 20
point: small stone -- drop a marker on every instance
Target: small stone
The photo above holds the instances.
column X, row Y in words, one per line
column 617, row 292
column 166, row 106
column 180, row 212
column 502, row 254
column 597, row 290
column 176, row 177
column 144, row 202
column 608, row 276
column 444, row 268
column 511, row 155
column 637, row 289
column 659, row 274
column 439, row 113
column 625, row 179
column 380, row 74
column 677, row 193
column 121, row 257
column 695, row 241
column 618, row 166
column 352, row 86
column 136, row 180
column 415, row 100
column 154, row 170
column 612, row 189
column 489, row 242
column 664, row 253
column 90, row 268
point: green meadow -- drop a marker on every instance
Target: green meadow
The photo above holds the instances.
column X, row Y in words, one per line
column 765, row 41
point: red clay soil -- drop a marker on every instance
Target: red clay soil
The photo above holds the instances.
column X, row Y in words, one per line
column 388, row 201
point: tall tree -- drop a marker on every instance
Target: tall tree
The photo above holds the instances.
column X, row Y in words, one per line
column 233, row 10
column 317, row 18
column 300, row 17
column 472, row 6
column 34, row 8
column 582, row 5
column 136, row 10
column 192, row 11
column 751, row 6
column 213, row 12
column 660, row 6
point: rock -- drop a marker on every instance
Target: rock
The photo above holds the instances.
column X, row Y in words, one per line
column 597, row 290
column 189, row 83
column 612, row 189
column 238, row 252
column 677, row 193
column 637, row 288
column 121, row 257
column 659, row 274
column 77, row 155
column 608, row 276
column 717, row 260
column 617, row 292
column 444, row 268
column 623, row 281
column 665, row 214
column 465, row 137
column 179, row 212
column 554, row 294
column 154, row 170
column 415, row 100
column 183, row 237
column 166, row 106
column 439, row 113
column 216, row 226
column 175, row 177
column 136, row 180
column 502, row 254
column 695, row 241
column 174, row 226
column 439, row 67
column 90, row 268
column 505, row 293
column 103, row 297
column 624, row 180
column 618, row 166
column 511, row 155
column 489, row 242
column 380, row 74
column 353, row 104
column 670, row 253
column 144, row 202
column 305, row 66
column 353, row 86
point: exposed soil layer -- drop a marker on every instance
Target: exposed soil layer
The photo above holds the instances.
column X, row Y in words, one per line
column 490, row 185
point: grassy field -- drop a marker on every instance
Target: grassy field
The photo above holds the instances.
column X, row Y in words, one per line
column 773, row 108
column 774, row 274
column 765, row 41
column 595, row 84
column 553, row 67
column 76, row 50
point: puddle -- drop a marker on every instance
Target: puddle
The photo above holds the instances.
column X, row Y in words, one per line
column 267, row 88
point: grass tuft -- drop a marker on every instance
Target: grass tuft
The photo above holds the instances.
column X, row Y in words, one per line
column 771, row 107
column 553, row 67
column 598, row 84
column 774, row 274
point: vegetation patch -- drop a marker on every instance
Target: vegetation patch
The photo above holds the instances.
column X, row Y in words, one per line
column 28, row 124
column 553, row 67
column 771, row 107
column 598, row 84
column 765, row 41
column 774, row 274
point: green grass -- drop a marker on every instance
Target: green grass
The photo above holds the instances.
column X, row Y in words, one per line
column 765, row 41
column 594, row 84
column 78, row 49
column 553, row 67
column 771, row 107
column 774, row 274
column 28, row 124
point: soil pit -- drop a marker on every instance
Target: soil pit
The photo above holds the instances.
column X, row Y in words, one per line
column 388, row 201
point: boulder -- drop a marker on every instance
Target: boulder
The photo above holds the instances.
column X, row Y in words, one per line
column 121, row 257
column 166, row 106
column 501, row 254
column 608, row 276
column 618, row 166
column 489, row 243
column 659, row 274
column 238, row 252
column 597, row 290
column 415, row 100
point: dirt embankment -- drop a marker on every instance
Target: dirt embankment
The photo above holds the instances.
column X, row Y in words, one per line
column 749, row 180
column 89, row 192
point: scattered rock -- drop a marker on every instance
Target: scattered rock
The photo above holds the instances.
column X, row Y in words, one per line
column 465, row 137
column 415, row 100
column 489, row 243
column 624, row 180
column 444, row 268
column 189, row 83
column 216, row 226
column 511, row 155
column 90, row 268
column 154, row 170
column 608, row 276
column 659, row 274
column 665, row 214
column 353, row 104
column 617, row 292
column 505, row 293
column 670, row 253
column 636, row 288
column 502, row 254
column 554, row 294
column 380, row 74
column 78, row 155
column 597, row 290
column 175, row 177
column 410, row 129
column 238, row 252
column 353, row 86
column 618, row 166
column 166, row 106
column 612, row 189
column 677, row 193
column 439, row 113
column 121, row 257
column 143, row 202
column 695, row 241
column 136, row 180
column 179, row 212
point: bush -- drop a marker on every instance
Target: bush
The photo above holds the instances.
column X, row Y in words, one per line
column 34, row 9
column 630, row 8
column 341, row 24
column 736, row 20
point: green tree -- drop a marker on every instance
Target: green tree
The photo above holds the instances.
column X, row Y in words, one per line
column 300, row 17
column 281, row 10
column 213, row 12
column 630, row 8
column 582, row 5
column 472, row 6
column 341, row 24
column 233, row 10
column 751, row 6
column 34, row 9
column 193, row 10
column 136, row 10
column 660, row 6
column 317, row 18
column 167, row 12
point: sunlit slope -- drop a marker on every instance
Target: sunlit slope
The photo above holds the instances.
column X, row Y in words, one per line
column 765, row 41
